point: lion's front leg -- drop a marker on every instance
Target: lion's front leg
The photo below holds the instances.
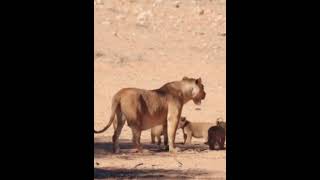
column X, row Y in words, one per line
column 173, row 120
column 165, row 135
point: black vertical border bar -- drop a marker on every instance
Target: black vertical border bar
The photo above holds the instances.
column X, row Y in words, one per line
column 85, row 24
column 232, row 87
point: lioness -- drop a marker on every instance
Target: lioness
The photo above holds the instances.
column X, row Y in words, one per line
column 144, row 109
column 194, row 129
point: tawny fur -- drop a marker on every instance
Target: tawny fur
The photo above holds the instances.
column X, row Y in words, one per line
column 194, row 129
column 144, row 109
column 157, row 132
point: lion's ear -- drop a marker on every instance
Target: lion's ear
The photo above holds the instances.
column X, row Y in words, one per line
column 183, row 118
column 185, row 78
column 199, row 81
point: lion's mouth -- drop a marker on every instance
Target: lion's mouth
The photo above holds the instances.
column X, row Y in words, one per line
column 197, row 102
column 204, row 95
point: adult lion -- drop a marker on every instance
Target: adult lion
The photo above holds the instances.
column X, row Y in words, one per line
column 144, row 109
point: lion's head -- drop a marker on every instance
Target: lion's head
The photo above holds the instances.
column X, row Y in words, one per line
column 221, row 123
column 195, row 89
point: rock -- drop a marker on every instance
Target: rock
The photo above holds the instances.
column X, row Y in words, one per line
column 177, row 4
column 137, row 10
column 201, row 12
column 198, row 10
column 98, row 2
column 156, row 3
column 144, row 18
column 99, row 54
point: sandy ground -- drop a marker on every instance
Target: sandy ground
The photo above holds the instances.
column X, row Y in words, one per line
column 144, row 44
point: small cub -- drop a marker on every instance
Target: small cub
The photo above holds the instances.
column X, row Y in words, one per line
column 217, row 136
column 194, row 129
column 157, row 131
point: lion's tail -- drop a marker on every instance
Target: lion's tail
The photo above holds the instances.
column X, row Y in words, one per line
column 114, row 107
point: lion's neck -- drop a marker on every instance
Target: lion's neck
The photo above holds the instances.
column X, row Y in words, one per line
column 187, row 92
column 179, row 88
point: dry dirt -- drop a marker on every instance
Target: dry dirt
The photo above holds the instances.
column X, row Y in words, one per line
column 144, row 44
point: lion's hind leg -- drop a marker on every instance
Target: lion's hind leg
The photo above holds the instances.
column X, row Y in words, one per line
column 118, row 128
column 136, row 134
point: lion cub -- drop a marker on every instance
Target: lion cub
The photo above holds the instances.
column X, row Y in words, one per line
column 158, row 131
column 194, row 129
column 217, row 136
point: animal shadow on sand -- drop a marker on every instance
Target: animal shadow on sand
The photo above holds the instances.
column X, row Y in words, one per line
column 149, row 173
column 102, row 148
column 105, row 147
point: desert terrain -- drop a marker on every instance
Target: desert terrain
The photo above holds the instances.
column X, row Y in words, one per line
column 145, row 44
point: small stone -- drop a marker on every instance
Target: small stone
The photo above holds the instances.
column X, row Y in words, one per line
column 201, row 12
column 99, row 54
column 177, row 4
column 98, row 2
column 97, row 163
column 144, row 18
column 157, row 2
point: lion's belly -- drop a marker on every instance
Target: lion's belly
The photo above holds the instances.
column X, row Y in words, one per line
column 149, row 122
